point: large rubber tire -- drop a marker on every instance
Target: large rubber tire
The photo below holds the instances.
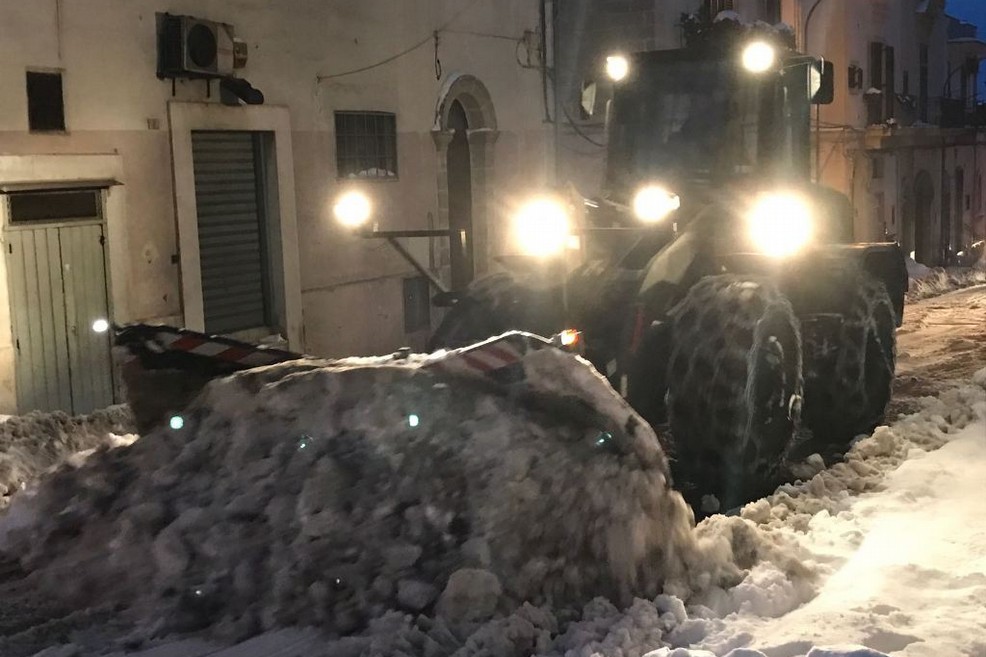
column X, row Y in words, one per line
column 849, row 369
column 734, row 387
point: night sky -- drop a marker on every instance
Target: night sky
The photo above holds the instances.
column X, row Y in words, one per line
column 973, row 11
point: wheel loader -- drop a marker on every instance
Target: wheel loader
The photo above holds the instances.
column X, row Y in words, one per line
column 715, row 285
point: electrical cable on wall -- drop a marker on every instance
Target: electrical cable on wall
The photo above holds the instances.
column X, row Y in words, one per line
column 578, row 130
column 407, row 51
column 376, row 65
column 438, row 61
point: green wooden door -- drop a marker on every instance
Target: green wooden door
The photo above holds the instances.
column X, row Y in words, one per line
column 57, row 282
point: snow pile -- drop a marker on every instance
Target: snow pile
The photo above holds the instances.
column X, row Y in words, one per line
column 32, row 444
column 927, row 282
column 896, row 532
column 323, row 505
column 346, row 497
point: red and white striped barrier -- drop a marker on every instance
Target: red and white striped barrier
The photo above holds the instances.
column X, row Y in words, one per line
column 498, row 359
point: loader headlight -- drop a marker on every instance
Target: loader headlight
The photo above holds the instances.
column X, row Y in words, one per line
column 654, row 203
column 617, row 67
column 780, row 224
column 352, row 209
column 759, row 57
column 542, row 227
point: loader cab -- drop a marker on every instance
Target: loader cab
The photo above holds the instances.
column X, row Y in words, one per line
column 698, row 118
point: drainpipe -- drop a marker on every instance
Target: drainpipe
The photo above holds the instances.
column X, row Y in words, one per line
column 943, row 220
column 549, row 73
column 818, row 108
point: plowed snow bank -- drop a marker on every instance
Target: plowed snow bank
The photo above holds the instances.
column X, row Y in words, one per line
column 341, row 495
column 31, row 444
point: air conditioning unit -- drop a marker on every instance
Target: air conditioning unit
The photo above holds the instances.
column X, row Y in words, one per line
column 190, row 47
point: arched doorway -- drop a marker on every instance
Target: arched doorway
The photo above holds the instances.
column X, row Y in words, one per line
column 465, row 134
column 459, row 166
column 924, row 198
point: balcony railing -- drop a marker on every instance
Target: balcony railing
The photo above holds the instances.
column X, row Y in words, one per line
column 941, row 112
column 957, row 113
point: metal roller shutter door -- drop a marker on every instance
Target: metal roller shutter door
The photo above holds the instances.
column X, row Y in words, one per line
column 232, row 228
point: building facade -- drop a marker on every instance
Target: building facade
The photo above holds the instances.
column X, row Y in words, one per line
column 132, row 198
column 904, row 137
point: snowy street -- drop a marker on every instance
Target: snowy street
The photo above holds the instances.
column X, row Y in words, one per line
column 885, row 551
column 527, row 328
column 943, row 340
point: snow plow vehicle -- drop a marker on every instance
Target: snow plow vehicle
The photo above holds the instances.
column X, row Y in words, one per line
column 719, row 288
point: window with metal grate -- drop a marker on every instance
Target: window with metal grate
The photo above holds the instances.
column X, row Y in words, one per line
column 366, row 145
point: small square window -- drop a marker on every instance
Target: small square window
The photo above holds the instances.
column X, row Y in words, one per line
column 366, row 145
column 45, row 105
column 417, row 304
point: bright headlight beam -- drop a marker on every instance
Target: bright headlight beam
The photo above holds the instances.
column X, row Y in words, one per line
column 542, row 228
column 100, row 326
column 780, row 224
column 654, row 203
column 352, row 209
column 617, row 67
column 759, row 57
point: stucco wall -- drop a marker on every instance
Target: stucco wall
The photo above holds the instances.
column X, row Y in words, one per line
column 115, row 104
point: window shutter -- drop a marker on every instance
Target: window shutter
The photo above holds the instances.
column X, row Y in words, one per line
column 876, row 65
column 232, row 231
column 890, row 83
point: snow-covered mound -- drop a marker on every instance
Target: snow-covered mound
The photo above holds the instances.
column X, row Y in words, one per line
column 32, row 444
column 926, row 282
column 896, row 533
column 336, row 495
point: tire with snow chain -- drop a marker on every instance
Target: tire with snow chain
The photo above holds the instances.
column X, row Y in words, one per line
column 734, row 386
column 849, row 364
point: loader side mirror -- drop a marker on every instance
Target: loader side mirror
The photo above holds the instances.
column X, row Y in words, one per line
column 588, row 104
column 825, row 94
